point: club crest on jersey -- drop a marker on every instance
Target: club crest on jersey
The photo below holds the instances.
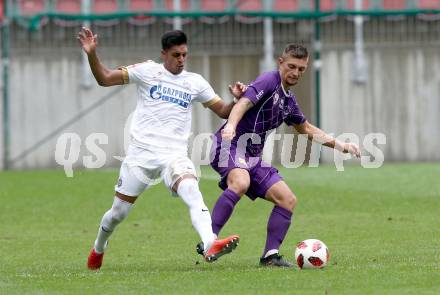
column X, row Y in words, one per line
column 171, row 95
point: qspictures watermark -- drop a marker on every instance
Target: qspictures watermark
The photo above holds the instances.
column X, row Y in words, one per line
column 70, row 145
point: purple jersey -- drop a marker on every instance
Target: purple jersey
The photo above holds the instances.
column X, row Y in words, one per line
column 272, row 107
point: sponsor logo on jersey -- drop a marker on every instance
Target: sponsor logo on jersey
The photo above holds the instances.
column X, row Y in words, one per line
column 260, row 94
column 154, row 94
column 171, row 95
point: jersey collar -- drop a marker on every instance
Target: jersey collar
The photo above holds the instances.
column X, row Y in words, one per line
column 286, row 93
column 171, row 74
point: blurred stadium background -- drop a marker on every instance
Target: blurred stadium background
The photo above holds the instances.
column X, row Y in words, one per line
column 375, row 66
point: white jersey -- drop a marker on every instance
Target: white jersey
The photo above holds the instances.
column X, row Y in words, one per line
column 162, row 119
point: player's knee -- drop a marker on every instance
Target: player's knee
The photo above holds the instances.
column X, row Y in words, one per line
column 189, row 192
column 287, row 201
column 239, row 186
column 118, row 214
column 290, row 202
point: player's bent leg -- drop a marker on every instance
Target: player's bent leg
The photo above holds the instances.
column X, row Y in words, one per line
column 238, row 181
column 118, row 212
column 181, row 177
column 110, row 220
column 210, row 247
column 188, row 189
column 127, row 189
column 281, row 195
column 278, row 223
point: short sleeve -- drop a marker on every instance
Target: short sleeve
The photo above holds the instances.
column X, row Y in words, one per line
column 294, row 114
column 205, row 93
column 136, row 72
column 262, row 87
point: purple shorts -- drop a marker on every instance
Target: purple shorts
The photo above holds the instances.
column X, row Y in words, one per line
column 262, row 174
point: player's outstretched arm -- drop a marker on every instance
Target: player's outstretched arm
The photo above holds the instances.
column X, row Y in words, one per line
column 317, row 135
column 239, row 109
column 223, row 109
column 103, row 75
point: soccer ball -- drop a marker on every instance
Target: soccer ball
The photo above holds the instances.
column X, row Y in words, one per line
column 311, row 253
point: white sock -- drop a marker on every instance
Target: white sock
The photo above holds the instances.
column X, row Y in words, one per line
column 270, row 252
column 110, row 220
column 189, row 191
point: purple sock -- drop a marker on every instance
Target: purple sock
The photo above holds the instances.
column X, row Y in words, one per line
column 223, row 209
column 277, row 227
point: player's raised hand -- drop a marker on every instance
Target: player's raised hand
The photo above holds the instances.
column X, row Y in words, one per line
column 228, row 132
column 352, row 148
column 238, row 89
column 88, row 41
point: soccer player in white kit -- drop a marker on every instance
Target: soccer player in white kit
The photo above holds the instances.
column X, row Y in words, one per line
column 159, row 131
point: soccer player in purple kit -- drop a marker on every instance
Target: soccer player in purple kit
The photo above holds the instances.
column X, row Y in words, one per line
column 265, row 105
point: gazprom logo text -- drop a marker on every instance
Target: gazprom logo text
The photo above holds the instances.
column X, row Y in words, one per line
column 171, row 95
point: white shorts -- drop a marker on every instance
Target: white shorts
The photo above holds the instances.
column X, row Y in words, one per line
column 143, row 168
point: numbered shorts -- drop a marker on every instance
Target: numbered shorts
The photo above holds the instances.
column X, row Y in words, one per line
column 143, row 168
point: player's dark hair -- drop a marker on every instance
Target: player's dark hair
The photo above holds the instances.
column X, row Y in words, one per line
column 296, row 50
column 173, row 38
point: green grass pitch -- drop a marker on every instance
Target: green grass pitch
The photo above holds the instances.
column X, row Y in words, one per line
column 381, row 227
